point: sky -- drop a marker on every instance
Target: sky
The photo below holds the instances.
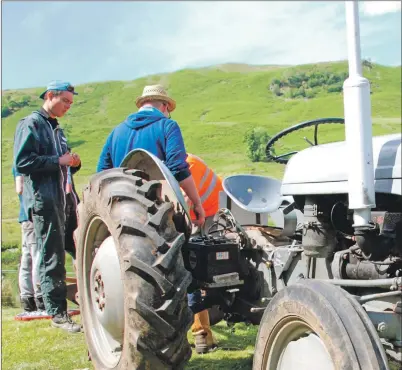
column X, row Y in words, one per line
column 83, row 42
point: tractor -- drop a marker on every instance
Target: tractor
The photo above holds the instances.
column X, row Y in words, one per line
column 322, row 278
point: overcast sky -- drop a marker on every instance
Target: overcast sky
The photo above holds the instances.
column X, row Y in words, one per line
column 97, row 41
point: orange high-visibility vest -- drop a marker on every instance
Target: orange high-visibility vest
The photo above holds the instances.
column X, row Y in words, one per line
column 207, row 183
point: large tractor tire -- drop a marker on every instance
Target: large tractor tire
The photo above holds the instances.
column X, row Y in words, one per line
column 313, row 325
column 132, row 282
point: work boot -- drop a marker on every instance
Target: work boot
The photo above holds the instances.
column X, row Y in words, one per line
column 203, row 338
column 40, row 305
column 28, row 304
column 203, row 342
column 64, row 321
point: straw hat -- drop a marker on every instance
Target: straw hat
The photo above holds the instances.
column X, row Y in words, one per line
column 155, row 92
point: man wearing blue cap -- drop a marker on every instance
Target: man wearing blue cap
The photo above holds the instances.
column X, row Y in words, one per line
column 42, row 156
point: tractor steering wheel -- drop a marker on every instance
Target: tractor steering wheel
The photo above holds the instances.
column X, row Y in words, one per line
column 299, row 126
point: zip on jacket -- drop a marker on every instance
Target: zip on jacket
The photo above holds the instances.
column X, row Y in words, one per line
column 60, row 153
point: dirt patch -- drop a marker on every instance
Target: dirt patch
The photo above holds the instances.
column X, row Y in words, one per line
column 387, row 120
column 203, row 114
column 88, row 90
column 103, row 105
column 130, row 85
column 221, row 123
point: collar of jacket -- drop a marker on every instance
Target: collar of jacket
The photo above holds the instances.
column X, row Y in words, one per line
column 151, row 109
column 52, row 121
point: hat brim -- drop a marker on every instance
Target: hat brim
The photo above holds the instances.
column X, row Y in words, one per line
column 42, row 96
column 171, row 103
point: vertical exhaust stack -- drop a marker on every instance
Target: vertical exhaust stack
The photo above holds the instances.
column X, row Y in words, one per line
column 358, row 126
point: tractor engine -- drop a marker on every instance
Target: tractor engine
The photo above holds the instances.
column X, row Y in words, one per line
column 375, row 253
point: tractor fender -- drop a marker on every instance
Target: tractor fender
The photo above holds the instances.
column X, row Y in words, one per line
column 143, row 160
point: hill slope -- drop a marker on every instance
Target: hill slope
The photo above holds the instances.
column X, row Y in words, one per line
column 215, row 107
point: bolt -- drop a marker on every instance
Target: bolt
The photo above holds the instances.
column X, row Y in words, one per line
column 103, row 295
column 103, row 304
column 99, row 277
column 97, row 299
column 96, row 288
column 382, row 326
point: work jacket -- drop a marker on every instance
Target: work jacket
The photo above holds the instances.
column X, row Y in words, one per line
column 38, row 144
column 207, row 183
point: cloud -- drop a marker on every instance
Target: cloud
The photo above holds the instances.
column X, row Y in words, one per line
column 373, row 8
column 127, row 40
column 206, row 33
column 36, row 20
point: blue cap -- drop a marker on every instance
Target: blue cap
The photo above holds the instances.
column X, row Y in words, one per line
column 58, row 86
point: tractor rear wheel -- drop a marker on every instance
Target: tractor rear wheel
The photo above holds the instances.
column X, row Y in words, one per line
column 312, row 325
column 131, row 278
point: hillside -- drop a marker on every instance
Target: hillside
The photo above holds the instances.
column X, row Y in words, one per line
column 215, row 107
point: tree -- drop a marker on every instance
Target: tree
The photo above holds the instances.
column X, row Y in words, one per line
column 276, row 90
column 25, row 100
column 5, row 111
column 335, row 88
column 367, row 63
column 310, row 94
column 12, row 104
column 256, row 140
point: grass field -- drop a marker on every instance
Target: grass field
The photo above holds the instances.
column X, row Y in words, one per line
column 35, row 345
column 215, row 107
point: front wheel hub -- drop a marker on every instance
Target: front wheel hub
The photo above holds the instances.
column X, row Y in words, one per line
column 107, row 289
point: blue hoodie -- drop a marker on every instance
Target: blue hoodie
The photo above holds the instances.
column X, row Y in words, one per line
column 147, row 129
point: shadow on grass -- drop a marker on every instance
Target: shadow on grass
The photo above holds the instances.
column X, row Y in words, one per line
column 201, row 362
column 235, row 349
column 74, row 144
column 240, row 337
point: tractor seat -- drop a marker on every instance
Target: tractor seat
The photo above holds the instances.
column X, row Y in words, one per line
column 258, row 194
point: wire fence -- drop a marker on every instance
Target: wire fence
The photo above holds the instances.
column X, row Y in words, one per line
column 10, row 290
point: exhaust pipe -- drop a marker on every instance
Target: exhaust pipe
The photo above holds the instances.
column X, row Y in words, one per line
column 358, row 126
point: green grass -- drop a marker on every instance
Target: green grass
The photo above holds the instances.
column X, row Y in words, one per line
column 36, row 345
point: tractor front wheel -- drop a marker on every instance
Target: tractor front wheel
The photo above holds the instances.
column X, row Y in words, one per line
column 131, row 277
column 312, row 325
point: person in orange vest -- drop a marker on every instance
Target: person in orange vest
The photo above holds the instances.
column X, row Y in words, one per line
column 208, row 185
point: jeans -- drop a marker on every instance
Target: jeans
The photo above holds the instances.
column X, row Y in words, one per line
column 49, row 226
column 28, row 275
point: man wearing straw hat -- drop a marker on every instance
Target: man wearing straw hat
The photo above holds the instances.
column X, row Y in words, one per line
column 152, row 129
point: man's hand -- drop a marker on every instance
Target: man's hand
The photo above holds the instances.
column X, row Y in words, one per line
column 66, row 159
column 19, row 184
column 200, row 214
column 76, row 160
column 72, row 160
